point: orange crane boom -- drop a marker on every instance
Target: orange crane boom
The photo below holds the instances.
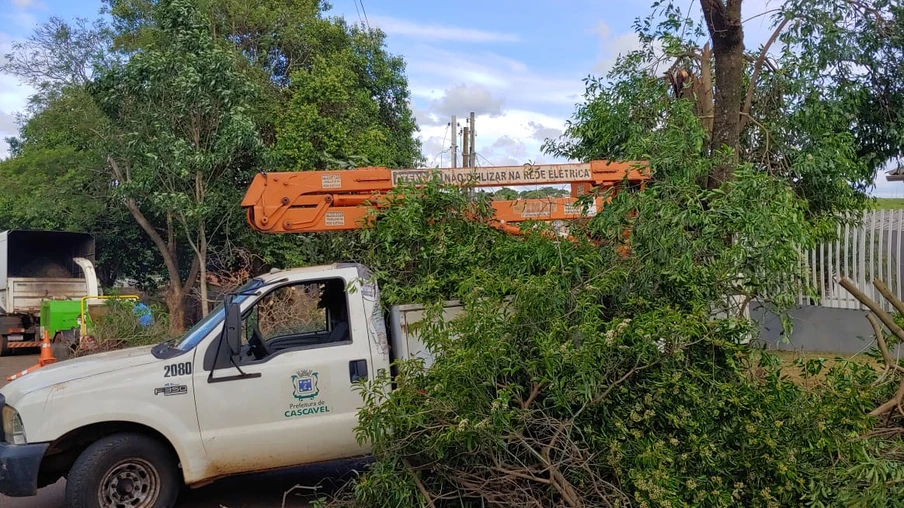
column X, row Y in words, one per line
column 311, row 201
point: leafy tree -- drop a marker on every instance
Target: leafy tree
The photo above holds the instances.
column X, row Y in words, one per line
column 180, row 138
column 348, row 104
column 54, row 179
column 59, row 55
column 803, row 118
column 329, row 93
column 576, row 377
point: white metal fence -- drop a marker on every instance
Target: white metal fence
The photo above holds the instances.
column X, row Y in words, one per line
column 872, row 250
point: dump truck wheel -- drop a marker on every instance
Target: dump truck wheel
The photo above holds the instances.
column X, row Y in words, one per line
column 125, row 469
column 4, row 345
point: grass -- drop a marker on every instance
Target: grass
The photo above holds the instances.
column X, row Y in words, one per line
column 889, row 203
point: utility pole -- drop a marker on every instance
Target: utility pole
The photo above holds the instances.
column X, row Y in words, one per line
column 465, row 151
column 454, row 141
column 472, row 159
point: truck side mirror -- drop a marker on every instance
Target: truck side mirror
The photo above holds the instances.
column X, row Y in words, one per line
column 233, row 328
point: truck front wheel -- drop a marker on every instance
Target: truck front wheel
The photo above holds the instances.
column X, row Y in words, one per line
column 124, row 470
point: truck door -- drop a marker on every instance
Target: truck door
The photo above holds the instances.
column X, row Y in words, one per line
column 304, row 343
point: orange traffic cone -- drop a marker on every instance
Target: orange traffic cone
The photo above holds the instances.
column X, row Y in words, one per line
column 46, row 358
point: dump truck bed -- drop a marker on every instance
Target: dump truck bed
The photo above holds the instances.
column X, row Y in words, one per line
column 40, row 265
column 24, row 296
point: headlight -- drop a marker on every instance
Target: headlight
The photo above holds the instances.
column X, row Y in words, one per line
column 13, row 430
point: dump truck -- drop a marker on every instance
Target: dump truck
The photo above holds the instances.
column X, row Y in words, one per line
column 38, row 268
column 264, row 381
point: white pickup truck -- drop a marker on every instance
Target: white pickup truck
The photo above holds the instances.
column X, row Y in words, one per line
column 265, row 381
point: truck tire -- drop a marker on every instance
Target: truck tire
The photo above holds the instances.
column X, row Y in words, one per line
column 122, row 470
column 4, row 345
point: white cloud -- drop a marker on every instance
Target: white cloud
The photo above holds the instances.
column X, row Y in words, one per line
column 432, row 70
column 468, row 98
column 513, row 102
column 542, row 133
column 434, row 32
column 507, row 139
column 13, row 99
column 611, row 47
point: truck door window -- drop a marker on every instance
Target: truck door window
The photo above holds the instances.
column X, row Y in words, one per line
column 299, row 315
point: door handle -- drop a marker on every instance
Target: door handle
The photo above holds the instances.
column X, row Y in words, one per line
column 357, row 369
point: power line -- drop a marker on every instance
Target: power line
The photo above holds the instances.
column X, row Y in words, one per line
column 484, row 158
column 365, row 13
column 358, row 11
column 439, row 155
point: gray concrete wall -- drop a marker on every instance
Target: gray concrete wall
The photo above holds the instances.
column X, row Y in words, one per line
column 816, row 329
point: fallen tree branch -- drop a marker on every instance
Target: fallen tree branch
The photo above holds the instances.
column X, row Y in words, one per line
column 894, row 402
column 887, row 320
column 534, row 393
column 420, row 486
column 888, row 295
column 883, row 347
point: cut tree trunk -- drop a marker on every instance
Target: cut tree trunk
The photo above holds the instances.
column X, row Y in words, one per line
column 723, row 19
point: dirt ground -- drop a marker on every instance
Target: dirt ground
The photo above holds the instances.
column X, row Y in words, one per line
column 794, row 373
column 263, row 490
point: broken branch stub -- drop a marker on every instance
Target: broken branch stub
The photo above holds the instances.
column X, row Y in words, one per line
column 883, row 316
column 888, row 321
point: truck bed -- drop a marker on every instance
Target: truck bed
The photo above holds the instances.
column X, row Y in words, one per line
column 405, row 339
column 23, row 295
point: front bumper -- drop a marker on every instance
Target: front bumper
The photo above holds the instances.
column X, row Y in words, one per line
column 19, row 466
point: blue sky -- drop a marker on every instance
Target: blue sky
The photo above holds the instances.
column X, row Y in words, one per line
column 517, row 64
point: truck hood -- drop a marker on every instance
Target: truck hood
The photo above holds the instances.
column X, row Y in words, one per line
column 77, row 368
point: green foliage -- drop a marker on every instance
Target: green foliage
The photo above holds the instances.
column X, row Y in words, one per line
column 544, row 192
column 850, row 51
column 117, row 325
column 578, row 375
column 55, row 181
column 815, row 120
column 330, row 93
column 189, row 88
column 181, row 110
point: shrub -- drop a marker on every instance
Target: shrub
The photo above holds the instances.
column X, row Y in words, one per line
column 117, row 325
column 576, row 377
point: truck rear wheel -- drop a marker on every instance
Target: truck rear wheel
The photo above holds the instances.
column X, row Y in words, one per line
column 124, row 470
column 4, row 345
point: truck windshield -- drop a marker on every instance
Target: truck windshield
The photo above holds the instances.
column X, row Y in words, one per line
column 203, row 327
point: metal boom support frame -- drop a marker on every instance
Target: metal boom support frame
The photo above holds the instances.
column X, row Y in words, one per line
column 314, row 201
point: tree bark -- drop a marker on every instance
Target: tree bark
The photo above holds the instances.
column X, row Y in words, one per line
column 704, row 91
column 202, row 263
column 175, row 297
column 723, row 19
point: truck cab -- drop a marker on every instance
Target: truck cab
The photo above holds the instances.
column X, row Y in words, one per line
column 264, row 381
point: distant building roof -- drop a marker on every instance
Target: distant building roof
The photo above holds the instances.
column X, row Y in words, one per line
column 895, row 175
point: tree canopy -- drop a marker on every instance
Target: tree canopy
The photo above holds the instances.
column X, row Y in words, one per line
column 169, row 110
column 578, row 375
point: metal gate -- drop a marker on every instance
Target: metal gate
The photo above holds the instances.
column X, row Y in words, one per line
column 862, row 253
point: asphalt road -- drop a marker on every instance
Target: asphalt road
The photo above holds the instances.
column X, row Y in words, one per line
column 262, row 490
